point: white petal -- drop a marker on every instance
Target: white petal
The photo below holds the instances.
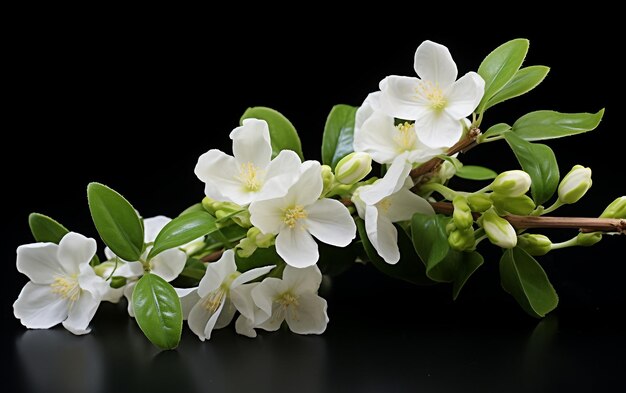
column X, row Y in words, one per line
column 188, row 298
column 90, row 282
column 245, row 327
column 399, row 98
column 383, row 235
column 241, row 296
column 282, row 172
column 201, row 321
column 433, row 63
column 268, row 215
column 265, row 293
column 113, row 295
column 81, row 313
column 168, row 264
column 220, row 173
column 308, row 188
column 465, row 95
column 38, row 308
column 227, row 314
column 250, row 275
column 109, row 254
column 297, row 247
column 303, row 280
column 403, row 204
column 438, row 129
column 392, row 181
column 309, row 317
column 376, row 138
column 39, row 262
column 128, row 294
column 75, row 250
column 129, row 269
column 216, row 273
column 330, row 222
column 367, row 109
column 152, row 226
column 251, row 143
column 276, row 319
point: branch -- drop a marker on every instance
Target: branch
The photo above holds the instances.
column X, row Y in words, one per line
column 212, row 257
column 585, row 224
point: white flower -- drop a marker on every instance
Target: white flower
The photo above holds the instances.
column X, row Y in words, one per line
column 437, row 102
column 251, row 175
column 370, row 105
column 209, row 306
column 387, row 201
column 300, row 215
column 250, row 314
column 293, row 299
column 62, row 288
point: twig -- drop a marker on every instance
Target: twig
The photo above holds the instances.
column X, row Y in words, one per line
column 212, row 257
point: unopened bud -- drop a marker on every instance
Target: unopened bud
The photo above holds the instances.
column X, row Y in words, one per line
column 353, row 168
column 498, row 230
column 328, row 178
column 461, row 239
column 462, row 215
column 105, row 269
column 588, row 239
column 575, row 184
column 521, row 205
column 511, row 183
column 479, row 202
column 207, row 204
column 617, row 209
column 534, row 244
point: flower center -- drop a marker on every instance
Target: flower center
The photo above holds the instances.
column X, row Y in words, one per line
column 433, row 94
column 293, row 214
column 384, row 205
column 287, row 299
column 213, row 300
column 405, row 137
column 66, row 287
column 250, row 177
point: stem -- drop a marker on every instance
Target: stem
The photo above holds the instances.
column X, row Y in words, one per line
column 446, row 192
column 552, row 208
column 585, row 224
column 212, row 257
column 568, row 243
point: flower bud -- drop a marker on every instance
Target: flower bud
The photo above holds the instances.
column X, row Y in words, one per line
column 105, row 269
column 207, row 204
column 617, row 209
column 254, row 239
column 479, row 202
column 462, row 215
column 328, row 178
column 498, row 230
column 588, row 239
column 534, row 244
column 461, row 239
column 511, row 183
column 521, row 205
column 353, row 168
column 575, row 184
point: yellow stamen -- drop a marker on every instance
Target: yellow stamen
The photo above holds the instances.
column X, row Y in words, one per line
column 66, row 287
column 250, row 177
column 384, row 205
column 213, row 300
column 433, row 94
column 405, row 137
column 293, row 214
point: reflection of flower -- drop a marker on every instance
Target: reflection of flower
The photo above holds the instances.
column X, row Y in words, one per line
column 62, row 288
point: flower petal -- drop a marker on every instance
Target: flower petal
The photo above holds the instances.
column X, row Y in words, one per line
column 309, row 316
column 330, row 222
column 152, row 226
column 128, row 294
column 168, row 264
column 281, row 173
column 399, row 98
column 188, row 298
column 241, row 296
column 382, row 234
column 201, row 321
column 245, row 326
column 303, row 280
column 129, row 269
column 227, row 314
column 367, row 109
column 433, row 63
column 75, row 250
column 216, row 273
column 37, row 307
column 220, row 173
column 276, row 319
column 308, row 188
column 403, row 204
column 267, row 215
column 437, row 130
column 465, row 95
column 251, row 143
column 81, row 313
column 376, row 138
column 264, row 294
column 39, row 262
column 297, row 247
column 250, row 275
column 90, row 282
column 392, row 181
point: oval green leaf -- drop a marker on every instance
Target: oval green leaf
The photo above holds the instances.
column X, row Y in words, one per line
column 338, row 134
column 182, row 230
column 469, row 262
column 540, row 125
column 430, row 239
column 45, row 229
column 500, row 66
column 474, row 172
column 522, row 82
column 494, row 131
column 523, row 278
column 116, row 220
column 539, row 162
column 158, row 311
column 283, row 134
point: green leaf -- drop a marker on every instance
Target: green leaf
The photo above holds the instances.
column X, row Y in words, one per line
column 539, row 162
column 338, row 134
column 45, row 229
column 261, row 257
column 182, row 230
column 523, row 278
column 473, row 172
column 282, row 133
column 197, row 207
column 409, row 268
column 158, row 311
column 430, row 239
column 500, row 66
column 494, row 131
column 117, row 221
column 468, row 264
column 524, row 81
column 540, row 125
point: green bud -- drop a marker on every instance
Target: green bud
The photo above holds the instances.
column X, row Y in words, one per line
column 105, row 269
column 328, row 179
column 118, row 282
column 522, row 205
column 499, row 231
column 242, row 219
column 511, row 183
column 617, row 209
column 575, row 184
column 446, row 171
column 462, row 239
column 479, row 202
column 588, row 239
column 353, row 168
column 207, row 204
column 246, row 247
column 254, row 239
column 534, row 244
column 462, row 215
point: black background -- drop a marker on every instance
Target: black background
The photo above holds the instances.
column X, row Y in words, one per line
column 133, row 108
